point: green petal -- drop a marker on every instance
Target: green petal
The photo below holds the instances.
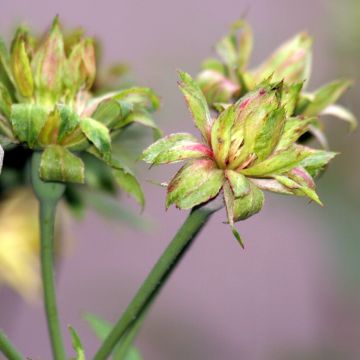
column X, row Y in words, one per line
column 139, row 97
column 194, row 184
column 255, row 111
column 27, row 121
column 69, row 121
column 59, row 164
column 5, row 60
column 174, row 147
column 21, row 68
column 5, row 102
column 279, row 162
column 128, row 183
column 293, row 129
column 248, row 205
column 290, row 98
column 316, row 161
column 99, row 135
column 326, row 96
column 221, row 135
column 291, row 62
column 196, row 103
column 238, row 183
column 341, row 113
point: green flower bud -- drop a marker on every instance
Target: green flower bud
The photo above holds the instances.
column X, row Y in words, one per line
column 251, row 146
column 54, row 111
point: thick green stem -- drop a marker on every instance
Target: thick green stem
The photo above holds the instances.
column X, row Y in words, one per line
column 157, row 278
column 8, row 349
column 48, row 194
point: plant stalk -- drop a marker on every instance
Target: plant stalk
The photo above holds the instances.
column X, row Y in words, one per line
column 157, row 279
column 48, row 194
column 8, row 349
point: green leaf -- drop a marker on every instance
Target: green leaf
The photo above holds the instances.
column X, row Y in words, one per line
column 221, row 132
column 248, row 205
column 99, row 326
column 102, row 328
column 171, row 148
column 196, row 103
column 77, row 345
column 341, row 113
column 238, row 183
column 325, row 96
column 59, row 164
column 27, row 121
column 129, row 184
column 195, row 183
column 99, row 135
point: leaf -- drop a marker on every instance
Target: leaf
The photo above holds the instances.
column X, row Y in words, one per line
column 221, row 135
column 59, row 164
column 98, row 134
column 100, row 326
column 77, row 345
column 196, row 103
column 341, row 113
column 248, row 205
column 128, row 183
column 27, row 121
column 325, row 96
column 195, row 183
column 1, row 158
column 110, row 207
column 238, row 183
column 155, row 152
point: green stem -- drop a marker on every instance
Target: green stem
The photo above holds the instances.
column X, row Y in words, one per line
column 8, row 349
column 157, row 277
column 48, row 194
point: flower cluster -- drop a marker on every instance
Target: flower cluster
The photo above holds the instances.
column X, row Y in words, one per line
column 226, row 80
column 249, row 147
column 46, row 104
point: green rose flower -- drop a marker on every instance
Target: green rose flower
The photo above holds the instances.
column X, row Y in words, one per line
column 251, row 146
column 47, row 105
column 227, row 79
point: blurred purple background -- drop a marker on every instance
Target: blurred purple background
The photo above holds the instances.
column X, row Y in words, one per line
column 294, row 293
